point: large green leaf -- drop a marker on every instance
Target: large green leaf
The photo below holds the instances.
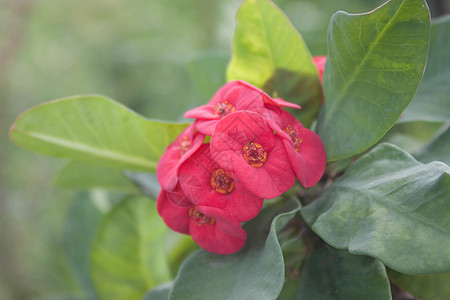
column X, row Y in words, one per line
column 78, row 237
column 431, row 103
column 269, row 53
column 437, row 149
column 129, row 256
column 96, row 129
column 426, row 287
column 389, row 206
column 255, row 272
column 374, row 66
column 82, row 175
column 336, row 274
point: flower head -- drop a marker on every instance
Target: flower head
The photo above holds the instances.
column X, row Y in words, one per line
column 244, row 144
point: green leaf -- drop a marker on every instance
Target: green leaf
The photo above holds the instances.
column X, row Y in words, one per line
column 255, row 272
column 128, row 256
column 427, row 287
column 269, row 53
column 374, row 66
column 389, row 206
column 78, row 237
column 159, row 293
column 82, row 175
column 96, row 129
column 437, row 149
column 336, row 274
column 431, row 103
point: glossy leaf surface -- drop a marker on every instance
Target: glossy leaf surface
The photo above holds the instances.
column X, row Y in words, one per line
column 94, row 128
column 160, row 292
column 425, row 287
column 255, row 272
column 374, row 66
column 389, row 206
column 431, row 102
column 336, row 274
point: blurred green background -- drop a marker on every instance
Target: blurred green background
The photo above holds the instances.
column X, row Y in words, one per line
column 158, row 57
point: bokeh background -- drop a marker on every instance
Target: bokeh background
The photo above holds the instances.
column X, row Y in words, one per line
column 158, row 57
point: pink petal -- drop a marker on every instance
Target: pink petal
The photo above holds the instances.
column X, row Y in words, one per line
column 176, row 217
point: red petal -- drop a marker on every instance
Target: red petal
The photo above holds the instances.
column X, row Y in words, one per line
column 281, row 102
column 224, row 237
column 221, row 92
column 176, row 217
column 320, row 61
column 170, row 161
column 202, row 112
column 310, row 160
column 273, row 178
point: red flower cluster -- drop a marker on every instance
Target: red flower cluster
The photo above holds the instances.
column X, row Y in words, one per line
column 256, row 151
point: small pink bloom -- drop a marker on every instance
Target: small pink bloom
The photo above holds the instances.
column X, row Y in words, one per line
column 304, row 148
column 320, row 61
column 244, row 144
column 207, row 184
column 211, row 228
column 233, row 96
column 176, row 153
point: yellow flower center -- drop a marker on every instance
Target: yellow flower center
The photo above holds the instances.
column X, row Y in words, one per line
column 254, row 155
column 222, row 181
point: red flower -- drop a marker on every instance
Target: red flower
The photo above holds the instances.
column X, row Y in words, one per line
column 233, row 96
column 320, row 61
column 176, row 153
column 244, row 144
column 304, row 148
column 211, row 228
column 206, row 183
